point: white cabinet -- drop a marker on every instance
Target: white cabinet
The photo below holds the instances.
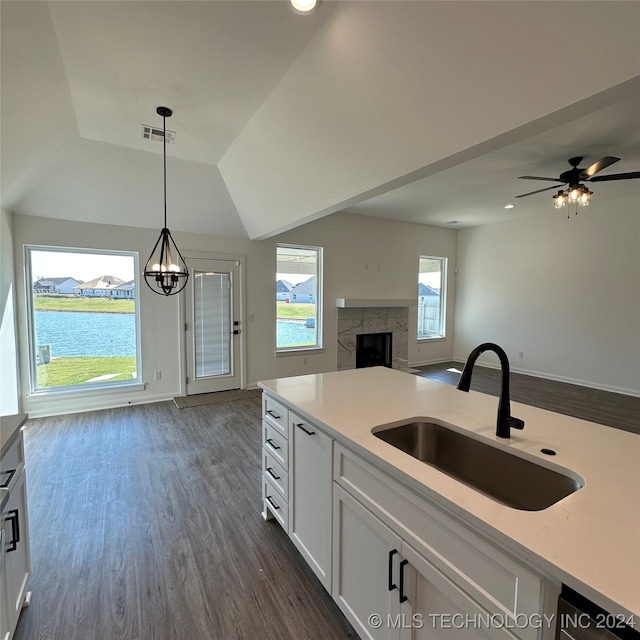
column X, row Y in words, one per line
column 365, row 561
column 436, row 608
column 15, row 540
column 297, row 460
column 398, row 565
column 275, row 461
column 310, row 516
column 15, row 571
column 449, row 581
column 388, row 591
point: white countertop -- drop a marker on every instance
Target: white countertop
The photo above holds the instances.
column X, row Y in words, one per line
column 589, row 540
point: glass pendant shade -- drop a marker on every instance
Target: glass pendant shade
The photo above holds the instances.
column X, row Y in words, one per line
column 166, row 272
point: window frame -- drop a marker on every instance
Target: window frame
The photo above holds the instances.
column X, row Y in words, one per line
column 319, row 298
column 83, row 388
column 443, row 300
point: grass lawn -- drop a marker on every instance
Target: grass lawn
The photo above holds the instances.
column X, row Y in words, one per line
column 62, row 372
column 296, row 310
column 76, row 303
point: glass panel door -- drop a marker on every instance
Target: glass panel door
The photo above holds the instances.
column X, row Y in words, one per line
column 212, row 305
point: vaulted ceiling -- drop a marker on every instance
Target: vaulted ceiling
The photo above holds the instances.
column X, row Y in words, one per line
column 418, row 111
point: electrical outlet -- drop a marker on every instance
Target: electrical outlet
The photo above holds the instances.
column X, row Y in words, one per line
column 157, row 375
column 520, row 354
column 304, row 360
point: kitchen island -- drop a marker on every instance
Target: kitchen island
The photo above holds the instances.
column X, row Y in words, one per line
column 589, row 540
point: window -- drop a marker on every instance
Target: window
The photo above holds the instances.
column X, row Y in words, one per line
column 298, row 297
column 83, row 313
column 432, row 276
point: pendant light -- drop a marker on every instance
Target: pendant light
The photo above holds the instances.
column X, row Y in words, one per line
column 166, row 272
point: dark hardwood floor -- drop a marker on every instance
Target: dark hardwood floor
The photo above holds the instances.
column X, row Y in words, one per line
column 604, row 407
column 145, row 524
column 145, row 521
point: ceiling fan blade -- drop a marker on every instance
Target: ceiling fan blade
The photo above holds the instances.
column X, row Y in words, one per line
column 522, row 195
column 616, row 176
column 601, row 164
column 539, row 178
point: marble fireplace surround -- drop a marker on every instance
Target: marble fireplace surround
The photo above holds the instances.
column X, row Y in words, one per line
column 353, row 321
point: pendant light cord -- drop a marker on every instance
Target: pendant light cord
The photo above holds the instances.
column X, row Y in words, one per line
column 164, row 149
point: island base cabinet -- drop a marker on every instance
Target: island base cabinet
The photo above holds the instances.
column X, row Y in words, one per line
column 310, row 491
column 388, row 591
column 365, row 557
column 437, row 609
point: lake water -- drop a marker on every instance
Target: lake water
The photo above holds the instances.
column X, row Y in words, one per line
column 71, row 333
column 294, row 333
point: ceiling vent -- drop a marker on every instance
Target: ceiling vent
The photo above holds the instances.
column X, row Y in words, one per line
column 153, row 133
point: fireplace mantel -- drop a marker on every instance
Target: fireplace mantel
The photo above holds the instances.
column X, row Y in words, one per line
column 346, row 303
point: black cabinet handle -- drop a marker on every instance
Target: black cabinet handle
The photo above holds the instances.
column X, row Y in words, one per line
column 272, row 503
column 7, row 482
column 272, row 474
column 273, row 415
column 272, row 443
column 300, row 425
column 390, row 581
column 13, row 517
column 403, row 597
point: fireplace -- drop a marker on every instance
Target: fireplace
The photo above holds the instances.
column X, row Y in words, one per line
column 373, row 350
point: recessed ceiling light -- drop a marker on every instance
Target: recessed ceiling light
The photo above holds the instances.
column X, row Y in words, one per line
column 453, row 221
column 509, row 206
column 304, row 6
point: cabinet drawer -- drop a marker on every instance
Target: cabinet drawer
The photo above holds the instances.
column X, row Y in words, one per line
column 276, row 414
column 495, row 580
column 12, row 462
column 276, row 504
column 276, row 445
column 275, row 474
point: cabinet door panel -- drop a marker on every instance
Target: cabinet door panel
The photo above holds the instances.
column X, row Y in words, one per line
column 437, row 609
column 361, row 570
column 311, row 499
column 16, row 560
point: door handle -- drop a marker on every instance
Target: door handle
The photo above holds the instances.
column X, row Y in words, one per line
column 272, row 503
column 7, row 482
column 272, row 474
column 13, row 517
column 300, row 425
column 390, row 581
column 403, row 596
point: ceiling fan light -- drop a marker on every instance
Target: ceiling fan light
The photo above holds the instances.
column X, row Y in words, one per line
column 559, row 200
column 585, row 197
column 574, row 193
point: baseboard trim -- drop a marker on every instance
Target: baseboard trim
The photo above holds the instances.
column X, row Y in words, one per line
column 424, row 363
column 550, row 376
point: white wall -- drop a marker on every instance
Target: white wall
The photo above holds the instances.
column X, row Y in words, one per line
column 9, row 389
column 565, row 292
column 363, row 257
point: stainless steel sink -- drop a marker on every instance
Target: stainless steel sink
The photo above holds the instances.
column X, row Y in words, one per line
column 508, row 478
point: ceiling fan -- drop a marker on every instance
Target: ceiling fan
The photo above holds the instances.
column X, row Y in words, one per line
column 574, row 177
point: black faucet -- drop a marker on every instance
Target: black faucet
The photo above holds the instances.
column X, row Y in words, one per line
column 505, row 421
